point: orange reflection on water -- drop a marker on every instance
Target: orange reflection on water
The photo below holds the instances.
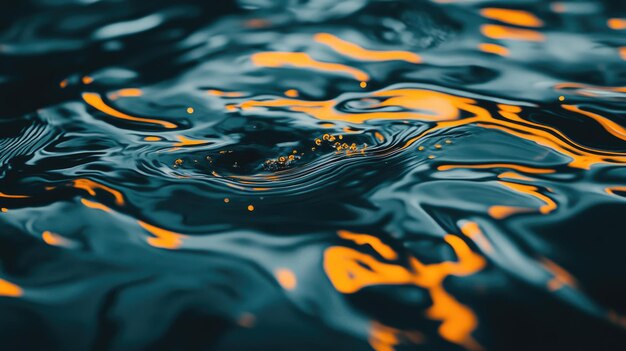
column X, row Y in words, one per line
column 165, row 239
column 494, row 49
column 292, row 93
column 446, row 110
column 514, row 17
column 364, row 239
column 356, row 52
column 587, row 90
column 418, row 104
column 384, row 338
column 501, row 212
column 90, row 186
column 520, row 168
column 350, row 271
column 9, row 289
column 513, row 175
column 617, row 23
column 221, row 93
column 286, row 278
column 95, row 205
column 9, row 196
column 129, row 92
column 549, row 204
column 610, row 126
column 582, row 157
column 495, row 31
column 473, row 231
column 53, row 239
column 183, row 141
column 612, row 190
column 95, row 101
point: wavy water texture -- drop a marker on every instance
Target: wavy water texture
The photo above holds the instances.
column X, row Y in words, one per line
column 305, row 175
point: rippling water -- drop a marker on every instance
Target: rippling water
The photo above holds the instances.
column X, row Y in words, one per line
column 312, row 175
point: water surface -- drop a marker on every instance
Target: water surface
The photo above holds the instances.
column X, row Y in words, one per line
column 307, row 175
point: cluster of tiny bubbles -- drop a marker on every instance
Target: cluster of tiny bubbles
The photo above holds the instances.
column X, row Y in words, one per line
column 436, row 147
column 337, row 143
column 282, row 162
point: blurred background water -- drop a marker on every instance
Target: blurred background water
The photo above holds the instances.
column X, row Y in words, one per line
column 306, row 175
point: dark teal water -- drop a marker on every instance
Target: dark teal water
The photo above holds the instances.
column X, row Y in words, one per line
column 312, row 175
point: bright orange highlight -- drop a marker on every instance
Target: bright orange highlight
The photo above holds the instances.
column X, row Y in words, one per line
column 494, row 49
column 350, row 271
column 165, row 239
column 286, row 278
column 90, row 187
column 608, row 125
column 356, row 52
column 7, row 196
column 129, row 92
column 617, row 23
column 383, row 338
column 95, row 205
column 53, row 239
column 346, row 270
column 184, row 141
column 519, row 168
column 549, row 206
column 418, row 104
column 501, row 212
column 472, row 231
column 364, row 239
column 513, row 175
column 9, row 289
column 494, row 31
column 95, row 101
column 612, row 190
column 303, row 60
column 224, row 93
column 445, row 110
column 379, row 137
column 514, row 17
column 291, row 93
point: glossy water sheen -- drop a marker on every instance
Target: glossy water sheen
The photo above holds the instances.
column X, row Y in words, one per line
column 312, row 175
